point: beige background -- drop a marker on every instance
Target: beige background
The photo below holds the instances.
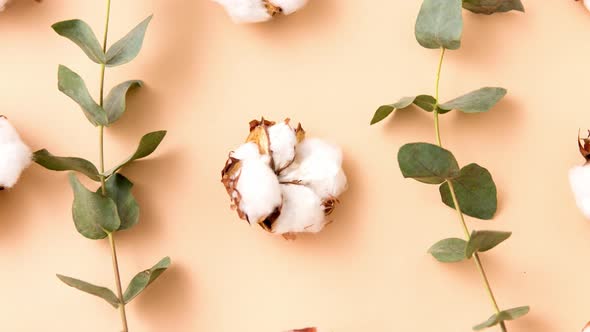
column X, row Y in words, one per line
column 329, row 67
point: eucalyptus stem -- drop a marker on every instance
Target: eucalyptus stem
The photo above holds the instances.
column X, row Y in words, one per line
column 102, row 179
column 476, row 258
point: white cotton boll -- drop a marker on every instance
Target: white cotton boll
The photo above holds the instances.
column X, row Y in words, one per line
column 282, row 144
column 318, row 164
column 246, row 151
column 580, row 183
column 243, row 11
column 587, row 4
column 291, row 6
column 302, row 211
column 259, row 190
column 15, row 156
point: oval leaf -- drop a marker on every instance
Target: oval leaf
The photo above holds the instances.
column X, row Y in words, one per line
column 94, row 215
column 144, row 279
column 440, row 24
column 115, row 104
column 425, row 102
column 510, row 314
column 118, row 189
column 449, row 250
column 427, row 163
column 147, row 145
column 481, row 241
column 383, row 111
column 489, row 7
column 477, row 101
column 82, row 35
column 129, row 46
column 102, row 292
column 51, row 162
column 475, row 190
column 73, row 86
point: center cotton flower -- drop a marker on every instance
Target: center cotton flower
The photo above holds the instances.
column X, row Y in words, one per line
column 282, row 181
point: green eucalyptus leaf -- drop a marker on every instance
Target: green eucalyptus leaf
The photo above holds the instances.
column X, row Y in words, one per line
column 489, row 7
column 102, row 292
column 481, row 241
column 73, row 86
column 427, row 163
column 475, row 190
column 94, row 215
column 477, row 101
column 54, row 163
column 425, row 102
column 510, row 314
column 440, row 24
column 147, row 145
column 118, row 188
column 115, row 104
column 449, row 250
column 143, row 279
column 129, row 46
column 82, row 35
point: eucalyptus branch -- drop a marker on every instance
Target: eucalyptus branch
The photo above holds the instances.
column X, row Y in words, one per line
column 112, row 207
column 469, row 190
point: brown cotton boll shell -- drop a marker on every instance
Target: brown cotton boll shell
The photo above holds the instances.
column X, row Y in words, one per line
column 271, row 8
column 329, row 205
column 307, row 329
column 230, row 175
column 584, row 146
column 269, row 221
column 259, row 135
column 292, row 237
column 300, row 133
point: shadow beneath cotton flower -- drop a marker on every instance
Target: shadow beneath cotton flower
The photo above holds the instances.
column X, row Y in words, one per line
column 312, row 17
column 171, row 291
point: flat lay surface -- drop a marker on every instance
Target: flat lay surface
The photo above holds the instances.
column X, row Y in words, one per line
column 329, row 67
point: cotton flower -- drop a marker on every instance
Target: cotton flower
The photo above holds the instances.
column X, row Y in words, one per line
column 580, row 178
column 282, row 181
column 15, row 156
column 252, row 11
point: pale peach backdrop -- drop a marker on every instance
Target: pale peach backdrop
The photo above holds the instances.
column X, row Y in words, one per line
column 328, row 66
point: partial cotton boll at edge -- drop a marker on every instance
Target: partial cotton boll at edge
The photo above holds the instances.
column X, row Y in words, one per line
column 587, row 4
column 15, row 156
column 318, row 164
column 580, row 183
column 242, row 11
column 302, row 211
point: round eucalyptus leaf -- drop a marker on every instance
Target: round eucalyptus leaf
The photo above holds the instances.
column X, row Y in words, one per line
column 118, row 188
column 73, row 86
column 481, row 241
column 475, row 190
column 478, row 101
column 440, row 24
column 94, row 215
column 489, row 7
column 427, row 163
column 450, row 250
